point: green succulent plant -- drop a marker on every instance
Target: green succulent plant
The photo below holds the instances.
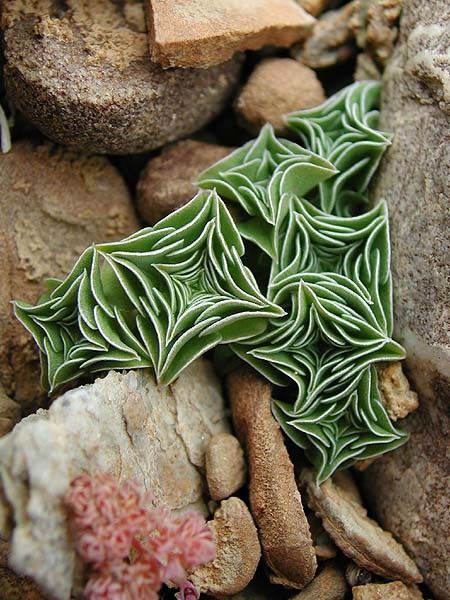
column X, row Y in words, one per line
column 317, row 325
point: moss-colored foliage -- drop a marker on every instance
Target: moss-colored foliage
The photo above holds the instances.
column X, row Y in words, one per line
column 169, row 293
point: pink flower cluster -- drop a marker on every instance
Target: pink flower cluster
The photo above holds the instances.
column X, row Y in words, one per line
column 132, row 546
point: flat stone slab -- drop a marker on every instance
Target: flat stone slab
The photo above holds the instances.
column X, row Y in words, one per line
column 202, row 33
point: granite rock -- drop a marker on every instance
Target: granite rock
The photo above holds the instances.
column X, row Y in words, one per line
column 408, row 489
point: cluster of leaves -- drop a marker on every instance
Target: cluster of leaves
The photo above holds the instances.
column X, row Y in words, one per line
column 169, row 293
column 131, row 546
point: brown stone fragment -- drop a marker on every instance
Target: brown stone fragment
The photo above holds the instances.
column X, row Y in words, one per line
column 237, row 551
column 225, row 466
column 201, row 33
column 314, row 7
column 359, row 537
column 277, row 87
column 53, row 205
column 168, row 180
column 396, row 395
column 12, row 586
column 329, row 584
column 9, row 412
column 81, row 73
column 386, row 591
column 275, row 501
column 331, row 41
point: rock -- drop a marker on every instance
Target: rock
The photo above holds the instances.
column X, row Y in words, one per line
column 168, row 179
column 314, row 7
column 331, row 42
column 366, row 68
column 359, row 537
column 386, row 591
column 329, row 584
column 82, row 75
column 276, row 87
column 275, row 501
column 323, row 545
column 10, row 413
column 225, row 466
column 374, row 23
column 53, row 204
column 13, row 587
column 396, row 395
column 237, row 551
column 124, row 425
column 408, row 488
column 201, row 33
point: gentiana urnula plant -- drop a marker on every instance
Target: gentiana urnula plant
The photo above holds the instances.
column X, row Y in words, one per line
column 314, row 317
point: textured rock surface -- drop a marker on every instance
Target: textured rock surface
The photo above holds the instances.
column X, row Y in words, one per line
column 359, row 537
column 277, row 87
column 225, row 466
column 386, row 591
column 124, row 425
column 408, row 489
column 275, row 501
column 200, row 33
column 328, row 585
column 53, row 205
column 167, row 182
column 80, row 71
column 396, row 394
column 331, row 41
column 314, row 7
column 238, row 551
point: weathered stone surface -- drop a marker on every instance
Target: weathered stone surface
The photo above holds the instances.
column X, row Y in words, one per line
column 329, row 584
column 374, row 23
column 237, row 551
column 12, row 586
column 201, row 33
column 53, row 205
column 9, row 412
column 409, row 488
column 81, row 73
column 125, row 425
column 225, row 466
column 275, row 88
column 359, row 537
column 397, row 396
column 331, row 42
column 275, row 501
column 167, row 182
column 386, row 591
column 314, row 7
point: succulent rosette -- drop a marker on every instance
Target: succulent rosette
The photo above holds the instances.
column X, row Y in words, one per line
column 316, row 326
column 160, row 298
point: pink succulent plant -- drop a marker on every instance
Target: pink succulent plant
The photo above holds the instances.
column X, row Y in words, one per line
column 132, row 546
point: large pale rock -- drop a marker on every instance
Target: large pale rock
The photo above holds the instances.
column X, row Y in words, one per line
column 53, row 205
column 125, row 425
column 409, row 488
column 201, row 33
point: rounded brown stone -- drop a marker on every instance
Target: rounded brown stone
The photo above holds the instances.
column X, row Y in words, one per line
column 168, row 180
column 277, row 87
column 80, row 71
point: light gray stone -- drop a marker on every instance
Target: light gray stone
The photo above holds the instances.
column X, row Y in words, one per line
column 409, row 489
column 123, row 424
